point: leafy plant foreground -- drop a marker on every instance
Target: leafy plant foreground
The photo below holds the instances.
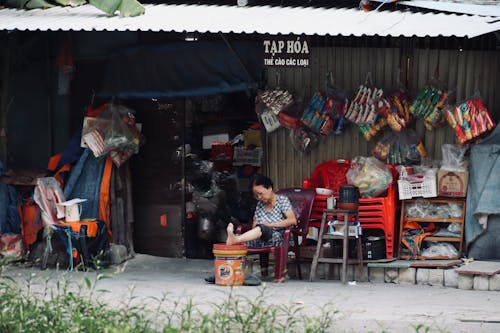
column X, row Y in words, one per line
column 62, row 306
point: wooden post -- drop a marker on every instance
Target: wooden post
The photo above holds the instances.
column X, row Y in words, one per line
column 4, row 100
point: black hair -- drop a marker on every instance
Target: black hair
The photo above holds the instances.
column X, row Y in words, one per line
column 263, row 181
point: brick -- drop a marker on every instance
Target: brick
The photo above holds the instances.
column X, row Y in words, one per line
column 364, row 274
column 422, row 276
column 118, row 254
column 376, row 274
column 436, row 277
column 495, row 282
column 450, row 278
column 481, row 282
column 465, row 281
column 391, row 275
column 407, row 275
column 333, row 271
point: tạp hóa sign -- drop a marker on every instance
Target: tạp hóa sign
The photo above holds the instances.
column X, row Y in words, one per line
column 286, row 51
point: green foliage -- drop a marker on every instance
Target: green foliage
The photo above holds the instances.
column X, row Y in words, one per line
column 62, row 307
column 110, row 7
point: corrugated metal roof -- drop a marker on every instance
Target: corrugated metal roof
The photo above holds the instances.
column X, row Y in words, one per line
column 262, row 19
column 454, row 7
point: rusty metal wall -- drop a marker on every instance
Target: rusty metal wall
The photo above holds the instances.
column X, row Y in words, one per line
column 350, row 65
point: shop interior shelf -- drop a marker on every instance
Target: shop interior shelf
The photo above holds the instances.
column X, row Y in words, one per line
column 433, row 220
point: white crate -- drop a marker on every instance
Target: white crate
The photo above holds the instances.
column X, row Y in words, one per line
column 426, row 188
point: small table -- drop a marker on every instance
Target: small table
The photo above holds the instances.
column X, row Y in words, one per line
column 345, row 238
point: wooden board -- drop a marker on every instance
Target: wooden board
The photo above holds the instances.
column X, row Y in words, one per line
column 480, row 268
column 435, row 263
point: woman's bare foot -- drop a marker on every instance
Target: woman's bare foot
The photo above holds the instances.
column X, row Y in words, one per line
column 230, row 235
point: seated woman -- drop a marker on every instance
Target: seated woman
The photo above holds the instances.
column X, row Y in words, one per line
column 273, row 215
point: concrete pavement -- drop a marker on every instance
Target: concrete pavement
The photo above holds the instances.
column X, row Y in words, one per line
column 363, row 307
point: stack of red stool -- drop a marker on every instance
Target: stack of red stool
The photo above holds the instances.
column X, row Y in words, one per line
column 374, row 213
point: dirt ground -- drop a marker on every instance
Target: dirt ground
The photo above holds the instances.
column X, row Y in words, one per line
column 363, row 307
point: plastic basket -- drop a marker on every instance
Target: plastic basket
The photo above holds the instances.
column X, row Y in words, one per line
column 425, row 188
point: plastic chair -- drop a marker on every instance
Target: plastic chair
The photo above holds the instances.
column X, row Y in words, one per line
column 332, row 175
column 301, row 200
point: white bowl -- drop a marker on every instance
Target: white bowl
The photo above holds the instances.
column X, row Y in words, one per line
column 323, row 191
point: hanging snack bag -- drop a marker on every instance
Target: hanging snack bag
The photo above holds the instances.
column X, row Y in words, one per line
column 362, row 109
column 314, row 116
column 429, row 104
column 469, row 120
column 276, row 99
column 303, row 140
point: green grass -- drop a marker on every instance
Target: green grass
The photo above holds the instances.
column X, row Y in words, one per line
column 63, row 306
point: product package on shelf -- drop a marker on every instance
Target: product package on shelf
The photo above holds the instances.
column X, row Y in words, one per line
column 453, row 175
column 469, row 120
column 429, row 104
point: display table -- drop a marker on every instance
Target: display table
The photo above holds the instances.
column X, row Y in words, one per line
column 323, row 235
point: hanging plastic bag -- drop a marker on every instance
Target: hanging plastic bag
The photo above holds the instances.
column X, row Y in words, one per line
column 115, row 130
column 394, row 108
column 362, row 110
column 469, row 119
column 429, row 104
column 314, row 115
column 454, row 157
column 276, row 100
column 303, row 140
column 336, row 106
column 370, row 175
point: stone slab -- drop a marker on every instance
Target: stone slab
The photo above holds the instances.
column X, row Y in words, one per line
column 480, row 268
column 422, row 276
column 436, row 277
column 376, row 274
column 465, row 282
column 450, row 278
column 435, row 263
column 495, row 282
column 394, row 263
column 481, row 282
column 407, row 275
column 391, row 275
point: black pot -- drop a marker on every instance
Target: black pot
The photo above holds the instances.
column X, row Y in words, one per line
column 349, row 194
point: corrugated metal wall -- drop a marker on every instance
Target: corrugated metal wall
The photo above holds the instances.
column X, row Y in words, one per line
column 350, row 65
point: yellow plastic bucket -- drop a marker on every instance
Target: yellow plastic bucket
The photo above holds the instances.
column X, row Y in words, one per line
column 230, row 264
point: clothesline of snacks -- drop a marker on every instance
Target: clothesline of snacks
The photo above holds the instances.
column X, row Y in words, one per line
column 373, row 111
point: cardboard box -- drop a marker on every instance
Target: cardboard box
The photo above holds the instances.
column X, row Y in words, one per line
column 452, row 183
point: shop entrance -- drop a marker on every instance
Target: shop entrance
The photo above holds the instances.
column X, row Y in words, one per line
column 173, row 220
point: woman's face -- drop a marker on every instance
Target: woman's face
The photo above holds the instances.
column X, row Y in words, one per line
column 263, row 194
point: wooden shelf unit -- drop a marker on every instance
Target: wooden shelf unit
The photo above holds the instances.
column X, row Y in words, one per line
column 457, row 241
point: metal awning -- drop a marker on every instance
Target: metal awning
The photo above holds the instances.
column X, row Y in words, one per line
column 486, row 9
column 257, row 19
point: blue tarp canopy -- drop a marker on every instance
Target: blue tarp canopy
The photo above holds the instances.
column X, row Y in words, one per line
column 182, row 69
